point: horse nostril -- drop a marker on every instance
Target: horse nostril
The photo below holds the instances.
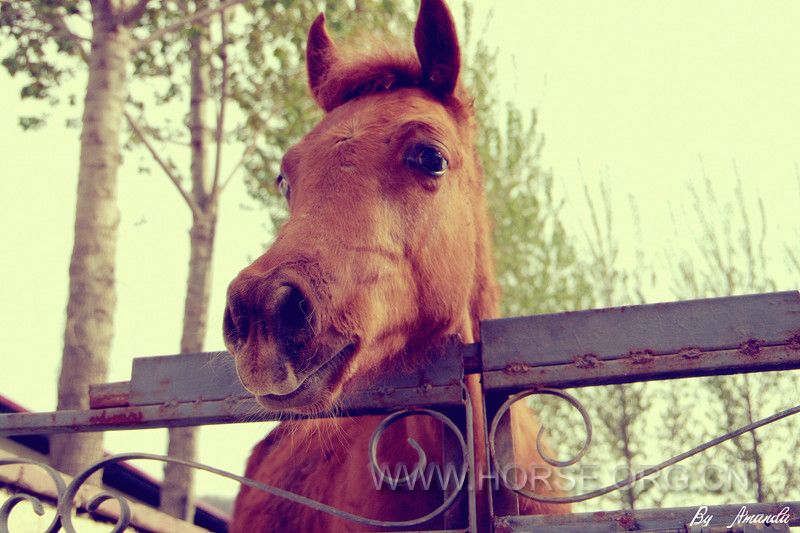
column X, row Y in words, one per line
column 293, row 314
column 236, row 325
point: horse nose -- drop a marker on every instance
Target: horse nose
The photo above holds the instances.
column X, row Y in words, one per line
column 274, row 309
column 236, row 322
column 291, row 312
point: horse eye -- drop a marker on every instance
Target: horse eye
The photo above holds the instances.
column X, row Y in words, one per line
column 428, row 159
column 283, row 185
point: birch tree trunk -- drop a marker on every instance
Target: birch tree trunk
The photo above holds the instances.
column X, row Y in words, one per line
column 176, row 492
column 92, row 298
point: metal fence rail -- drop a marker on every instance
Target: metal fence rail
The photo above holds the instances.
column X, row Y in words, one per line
column 517, row 357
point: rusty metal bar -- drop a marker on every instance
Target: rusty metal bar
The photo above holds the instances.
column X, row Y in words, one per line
column 676, row 519
column 585, row 372
column 746, row 322
column 109, row 394
column 617, row 345
column 190, row 390
column 175, row 414
column 212, row 376
column 148, row 416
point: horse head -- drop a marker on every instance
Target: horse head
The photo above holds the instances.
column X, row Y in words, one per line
column 386, row 246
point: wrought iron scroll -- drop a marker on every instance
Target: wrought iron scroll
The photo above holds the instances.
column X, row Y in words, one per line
column 67, row 493
column 38, row 508
column 504, row 409
column 419, row 469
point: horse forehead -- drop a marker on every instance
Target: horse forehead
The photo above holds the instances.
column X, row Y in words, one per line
column 384, row 113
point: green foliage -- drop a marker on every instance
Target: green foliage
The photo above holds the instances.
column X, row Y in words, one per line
column 41, row 42
column 32, row 122
column 537, row 265
column 540, row 271
column 160, row 71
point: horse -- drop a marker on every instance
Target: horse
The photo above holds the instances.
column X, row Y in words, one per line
column 386, row 251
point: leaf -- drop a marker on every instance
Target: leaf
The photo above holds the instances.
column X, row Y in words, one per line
column 31, row 123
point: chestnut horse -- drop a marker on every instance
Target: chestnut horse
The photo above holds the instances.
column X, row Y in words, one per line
column 386, row 251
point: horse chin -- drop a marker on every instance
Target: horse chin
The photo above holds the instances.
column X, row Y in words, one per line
column 319, row 391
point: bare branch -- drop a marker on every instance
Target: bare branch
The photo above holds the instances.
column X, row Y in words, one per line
column 248, row 151
column 174, row 142
column 54, row 32
column 131, row 16
column 223, row 98
column 180, row 24
column 59, row 24
column 168, row 170
column 103, row 10
column 794, row 259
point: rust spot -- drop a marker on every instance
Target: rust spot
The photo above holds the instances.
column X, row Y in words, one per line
column 640, row 357
column 690, row 353
column 167, row 407
column 120, row 419
column 516, row 368
column 751, row 347
column 627, row 521
column 794, row 342
column 589, row 360
column 501, row 525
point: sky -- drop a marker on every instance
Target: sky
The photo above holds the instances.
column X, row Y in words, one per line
column 646, row 97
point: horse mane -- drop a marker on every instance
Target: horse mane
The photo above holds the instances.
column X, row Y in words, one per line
column 374, row 66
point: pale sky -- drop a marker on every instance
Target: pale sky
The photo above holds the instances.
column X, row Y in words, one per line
column 636, row 93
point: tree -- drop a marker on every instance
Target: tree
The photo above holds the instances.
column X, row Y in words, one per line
column 537, row 265
column 792, row 255
column 621, row 410
column 90, row 309
column 254, row 62
column 202, row 199
column 541, row 270
column 207, row 74
column 43, row 36
column 730, row 257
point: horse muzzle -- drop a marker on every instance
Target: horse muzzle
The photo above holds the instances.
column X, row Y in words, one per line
column 285, row 356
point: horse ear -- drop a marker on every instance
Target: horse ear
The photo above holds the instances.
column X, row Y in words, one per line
column 320, row 56
column 437, row 47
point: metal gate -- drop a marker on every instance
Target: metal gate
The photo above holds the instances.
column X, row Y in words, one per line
column 516, row 358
